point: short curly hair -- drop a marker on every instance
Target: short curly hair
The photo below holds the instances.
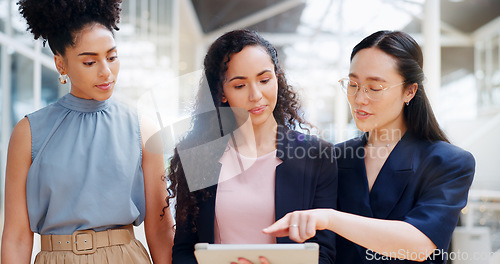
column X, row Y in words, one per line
column 57, row 21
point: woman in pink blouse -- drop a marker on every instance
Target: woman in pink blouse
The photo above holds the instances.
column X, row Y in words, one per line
column 242, row 165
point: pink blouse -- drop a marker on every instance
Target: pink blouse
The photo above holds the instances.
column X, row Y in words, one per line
column 244, row 203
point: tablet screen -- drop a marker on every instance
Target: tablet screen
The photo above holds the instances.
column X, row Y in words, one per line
column 307, row 253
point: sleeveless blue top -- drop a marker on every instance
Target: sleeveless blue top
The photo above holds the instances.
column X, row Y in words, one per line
column 86, row 170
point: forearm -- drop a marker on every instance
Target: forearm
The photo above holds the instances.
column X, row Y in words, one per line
column 160, row 241
column 159, row 229
column 16, row 251
column 382, row 236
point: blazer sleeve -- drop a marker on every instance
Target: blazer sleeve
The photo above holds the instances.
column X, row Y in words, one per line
column 448, row 174
column 326, row 197
column 184, row 241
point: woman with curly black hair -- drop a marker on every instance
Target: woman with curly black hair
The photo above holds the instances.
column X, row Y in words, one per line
column 242, row 165
column 77, row 171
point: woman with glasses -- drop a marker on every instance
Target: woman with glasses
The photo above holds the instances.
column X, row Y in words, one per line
column 401, row 184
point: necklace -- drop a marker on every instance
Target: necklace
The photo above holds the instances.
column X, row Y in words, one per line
column 371, row 145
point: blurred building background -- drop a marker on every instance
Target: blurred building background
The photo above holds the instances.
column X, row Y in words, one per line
column 162, row 43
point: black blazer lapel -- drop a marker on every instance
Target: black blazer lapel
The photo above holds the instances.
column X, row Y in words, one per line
column 353, row 185
column 289, row 194
column 207, row 212
column 393, row 178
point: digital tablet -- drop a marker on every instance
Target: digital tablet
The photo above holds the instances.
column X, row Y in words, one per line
column 307, row 253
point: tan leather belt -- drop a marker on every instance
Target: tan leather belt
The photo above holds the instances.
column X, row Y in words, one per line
column 87, row 241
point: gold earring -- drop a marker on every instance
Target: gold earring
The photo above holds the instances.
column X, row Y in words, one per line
column 63, row 78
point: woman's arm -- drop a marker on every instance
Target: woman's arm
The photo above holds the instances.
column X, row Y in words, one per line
column 387, row 237
column 427, row 226
column 159, row 229
column 17, row 238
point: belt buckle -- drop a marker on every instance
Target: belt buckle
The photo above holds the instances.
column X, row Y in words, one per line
column 81, row 240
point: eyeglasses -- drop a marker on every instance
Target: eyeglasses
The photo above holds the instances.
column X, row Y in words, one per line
column 373, row 90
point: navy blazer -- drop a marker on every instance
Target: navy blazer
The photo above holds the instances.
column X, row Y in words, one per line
column 422, row 183
column 306, row 179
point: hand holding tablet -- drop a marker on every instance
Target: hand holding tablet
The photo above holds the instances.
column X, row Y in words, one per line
column 263, row 260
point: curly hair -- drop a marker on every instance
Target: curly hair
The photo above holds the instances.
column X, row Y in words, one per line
column 58, row 21
column 215, row 124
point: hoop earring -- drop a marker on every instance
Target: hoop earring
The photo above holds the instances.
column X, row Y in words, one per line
column 63, row 78
column 408, row 103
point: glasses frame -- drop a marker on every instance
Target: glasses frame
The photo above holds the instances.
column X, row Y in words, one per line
column 365, row 90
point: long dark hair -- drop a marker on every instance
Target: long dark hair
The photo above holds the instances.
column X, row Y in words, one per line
column 419, row 116
column 208, row 126
column 57, row 21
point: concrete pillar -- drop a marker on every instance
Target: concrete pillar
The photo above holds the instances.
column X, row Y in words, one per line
column 432, row 49
column 6, row 66
column 6, row 72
